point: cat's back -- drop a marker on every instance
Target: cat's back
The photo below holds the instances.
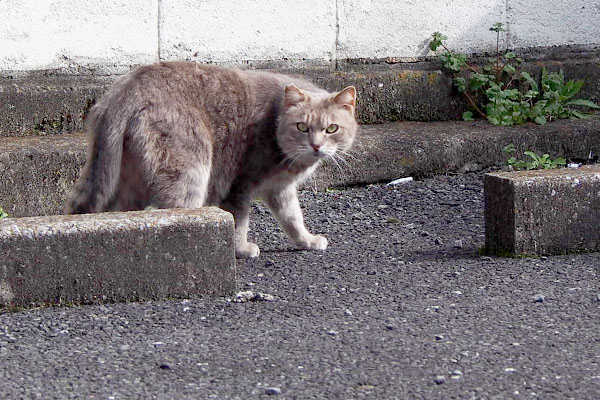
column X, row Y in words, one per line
column 177, row 80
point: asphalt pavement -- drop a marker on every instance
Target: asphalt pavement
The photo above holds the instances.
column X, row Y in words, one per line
column 400, row 306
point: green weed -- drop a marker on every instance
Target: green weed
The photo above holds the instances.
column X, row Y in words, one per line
column 505, row 95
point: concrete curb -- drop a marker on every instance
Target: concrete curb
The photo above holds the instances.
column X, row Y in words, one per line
column 543, row 212
column 112, row 257
column 39, row 172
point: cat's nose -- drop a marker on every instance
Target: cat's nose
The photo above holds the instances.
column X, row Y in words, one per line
column 315, row 147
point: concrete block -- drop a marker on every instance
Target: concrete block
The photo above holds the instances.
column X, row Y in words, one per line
column 110, row 257
column 245, row 30
column 390, row 28
column 543, row 211
column 551, row 23
column 74, row 34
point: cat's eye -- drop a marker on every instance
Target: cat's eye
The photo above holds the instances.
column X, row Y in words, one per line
column 302, row 127
column 332, row 128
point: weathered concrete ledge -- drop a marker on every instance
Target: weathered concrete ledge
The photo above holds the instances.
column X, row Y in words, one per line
column 543, row 212
column 38, row 172
column 50, row 102
column 423, row 149
column 111, row 257
column 38, row 105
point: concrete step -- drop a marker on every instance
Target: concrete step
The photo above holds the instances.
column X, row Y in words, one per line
column 543, row 211
column 49, row 102
column 112, row 257
column 38, row 172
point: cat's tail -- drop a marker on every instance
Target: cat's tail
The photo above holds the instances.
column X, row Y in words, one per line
column 99, row 178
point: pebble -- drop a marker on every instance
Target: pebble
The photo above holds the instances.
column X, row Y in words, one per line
column 249, row 295
column 165, row 366
column 347, row 312
column 539, row 298
column 458, row 244
column 273, row 391
column 331, row 332
column 440, row 379
column 439, row 240
column 456, row 374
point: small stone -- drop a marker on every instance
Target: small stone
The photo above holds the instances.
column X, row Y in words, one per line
column 331, row 332
column 440, row 379
column 439, row 337
column 390, row 327
column 165, row 365
column 456, row 374
column 347, row 312
column 273, row 391
column 438, row 240
column 458, row 244
column 249, row 295
column 539, row 298
column 424, row 233
column 269, row 263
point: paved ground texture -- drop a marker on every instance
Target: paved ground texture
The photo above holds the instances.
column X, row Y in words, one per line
column 400, row 306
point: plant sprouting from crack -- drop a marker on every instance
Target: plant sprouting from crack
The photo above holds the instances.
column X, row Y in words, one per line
column 504, row 94
column 534, row 161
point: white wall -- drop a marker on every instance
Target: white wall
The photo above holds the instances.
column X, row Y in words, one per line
column 112, row 35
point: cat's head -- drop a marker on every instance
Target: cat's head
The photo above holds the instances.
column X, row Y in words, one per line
column 314, row 126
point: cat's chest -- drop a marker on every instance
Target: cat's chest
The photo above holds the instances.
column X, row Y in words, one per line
column 282, row 179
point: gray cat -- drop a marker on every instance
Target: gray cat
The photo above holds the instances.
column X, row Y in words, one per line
column 180, row 134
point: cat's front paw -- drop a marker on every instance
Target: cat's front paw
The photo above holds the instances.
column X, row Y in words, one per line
column 247, row 250
column 314, row 242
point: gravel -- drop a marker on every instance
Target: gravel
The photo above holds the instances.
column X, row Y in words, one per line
column 378, row 273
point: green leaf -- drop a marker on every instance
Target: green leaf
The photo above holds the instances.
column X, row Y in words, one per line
column 468, row 116
column 583, row 102
column 493, row 120
column 509, row 55
column 509, row 148
column 527, row 78
column 581, row 115
column 540, row 120
column 497, row 27
column 460, row 84
column 437, row 39
column 453, row 61
column 2, row 213
column 509, row 69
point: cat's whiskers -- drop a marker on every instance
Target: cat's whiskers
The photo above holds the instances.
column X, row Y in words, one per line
column 344, row 161
column 339, row 167
column 347, row 154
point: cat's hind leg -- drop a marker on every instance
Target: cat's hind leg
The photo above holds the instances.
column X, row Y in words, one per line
column 178, row 160
column 182, row 188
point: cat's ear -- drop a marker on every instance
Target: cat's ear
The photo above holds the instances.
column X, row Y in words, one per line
column 293, row 96
column 346, row 99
